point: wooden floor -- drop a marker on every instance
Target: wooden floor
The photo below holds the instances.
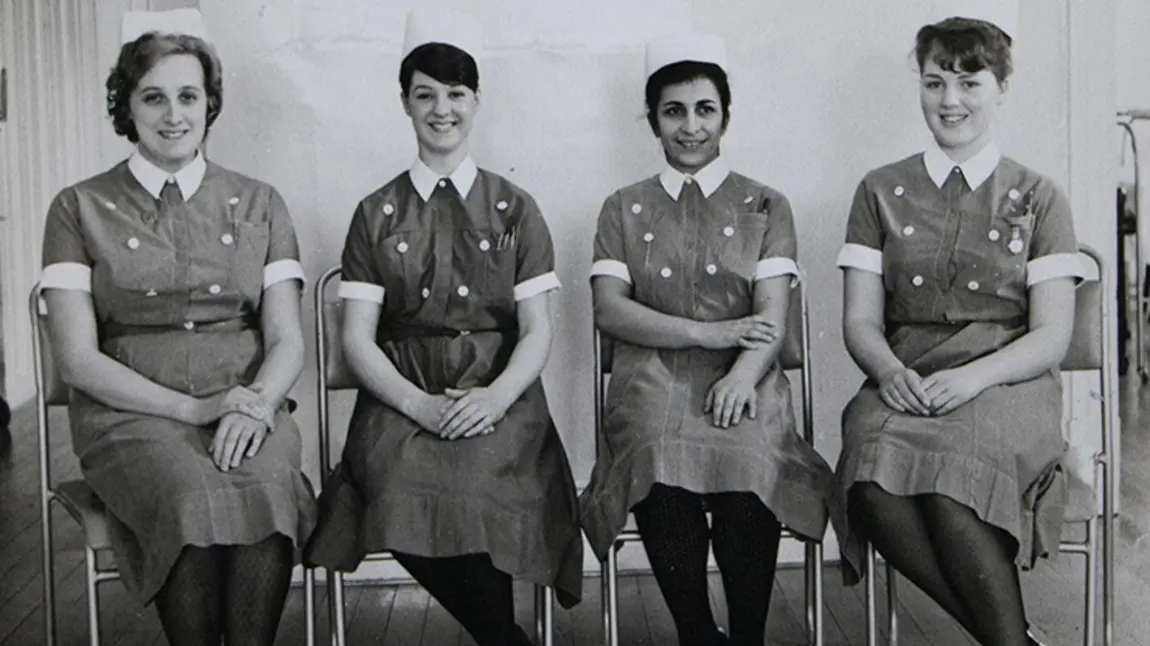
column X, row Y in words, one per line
column 405, row 615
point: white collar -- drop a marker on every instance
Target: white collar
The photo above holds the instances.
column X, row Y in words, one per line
column 975, row 170
column 152, row 177
column 710, row 177
column 424, row 179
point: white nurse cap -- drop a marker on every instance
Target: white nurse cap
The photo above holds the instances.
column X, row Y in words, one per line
column 188, row 22
column 441, row 26
column 1000, row 13
column 695, row 46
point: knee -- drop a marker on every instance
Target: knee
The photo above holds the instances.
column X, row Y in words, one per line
column 866, row 500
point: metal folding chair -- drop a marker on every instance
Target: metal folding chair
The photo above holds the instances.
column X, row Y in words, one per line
column 795, row 356
column 333, row 374
column 1089, row 493
column 79, row 499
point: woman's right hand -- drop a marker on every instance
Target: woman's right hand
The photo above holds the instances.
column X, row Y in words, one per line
column 428, row 410
column 903, row 391
column 748, row 333
column 206, row 410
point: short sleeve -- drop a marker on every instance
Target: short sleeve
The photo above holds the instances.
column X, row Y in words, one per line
column 1053, row 246
column 863, row 248
column 534, row 255
column 780, row 246
column 65, row 260
column 610, row 257
column 283, row 262
column 359, row 279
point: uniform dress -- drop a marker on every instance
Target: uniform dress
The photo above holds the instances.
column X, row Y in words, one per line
column 177, row 290
column 449, row 259
column 694, row 248
column 958, row 247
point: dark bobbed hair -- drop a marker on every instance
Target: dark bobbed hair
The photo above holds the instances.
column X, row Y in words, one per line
column 685, row 72
column 138, row 57
column 965, row 45
column 445, row 63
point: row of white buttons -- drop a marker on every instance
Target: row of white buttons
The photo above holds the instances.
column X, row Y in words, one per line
column 1013, row 193
column 917, row 281
column 402, row 247
column 227, row 239
column 388, row 209
column 213, row 289
column 666, row 272
column 648, row 237
column 994, row 235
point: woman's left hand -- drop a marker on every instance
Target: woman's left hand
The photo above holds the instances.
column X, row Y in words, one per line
column 949, row 389
column 237, row 436
column 472, row 412
column 728, row 398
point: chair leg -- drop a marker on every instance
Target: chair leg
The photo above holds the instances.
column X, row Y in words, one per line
column 544, row 615
column 1091, row 581
column 813, row 573
column 93, row 596
column 871, row 614
column 335, row 607
column 892, row 605
column 309, row 603
column 47, row 573
column 611, row 597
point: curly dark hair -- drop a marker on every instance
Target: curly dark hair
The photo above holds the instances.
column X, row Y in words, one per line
column 138, row 57
column 685, row 72
column 445, row 63
column 965, row 45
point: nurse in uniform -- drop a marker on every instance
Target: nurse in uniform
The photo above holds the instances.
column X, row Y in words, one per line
column 172, row 287
column 452, row 460
column 960, row 266
column 692, row 275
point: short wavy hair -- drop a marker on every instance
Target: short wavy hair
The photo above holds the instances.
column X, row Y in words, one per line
column 685, row 72
column 965, row 45
column 138, row 57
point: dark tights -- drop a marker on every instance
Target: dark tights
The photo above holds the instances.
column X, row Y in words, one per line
column 943, row 547
column 745, row 538
column 476, row 593
column 233, row 591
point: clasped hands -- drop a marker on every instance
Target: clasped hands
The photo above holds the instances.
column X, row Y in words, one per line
column 459, row 413
column 245, row 419
column 733, row 398
column 940, row 393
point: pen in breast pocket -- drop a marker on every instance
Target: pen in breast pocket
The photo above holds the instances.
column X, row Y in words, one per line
column 506, row 239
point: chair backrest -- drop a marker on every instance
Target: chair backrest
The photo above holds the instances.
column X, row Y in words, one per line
column 329, row 326
column 49, row 385
column 1087, row 349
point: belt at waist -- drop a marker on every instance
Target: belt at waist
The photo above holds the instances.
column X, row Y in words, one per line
column 401, row 332
column 112, row 330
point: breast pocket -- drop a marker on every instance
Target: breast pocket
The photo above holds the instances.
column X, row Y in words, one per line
column 249, row 255
column 486, row 260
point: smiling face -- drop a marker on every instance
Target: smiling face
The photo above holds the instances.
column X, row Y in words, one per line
column 959, row 107
column 442, row 114
column 169, row 109
column 690, row 123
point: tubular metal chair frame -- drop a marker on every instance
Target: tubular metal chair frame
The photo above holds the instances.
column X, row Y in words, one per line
column 51, row 391
column 1078, row 359
column 332, row 376
column 792, row 358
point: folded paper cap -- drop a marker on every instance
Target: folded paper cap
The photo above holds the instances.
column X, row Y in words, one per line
column 1000, row 13
column 695, row 46
column 441, row 26
column 189, row 22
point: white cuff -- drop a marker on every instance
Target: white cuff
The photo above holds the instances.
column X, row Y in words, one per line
column 1056, row 265
column 535, row 286
column 361, row 291
column 859, row 256
column 281, row 270
column 771, row 267
column 611, row 268
column 67, row 275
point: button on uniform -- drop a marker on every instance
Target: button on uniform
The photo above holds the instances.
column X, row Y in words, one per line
column 442, row 183
column 994, row 235
column 463, row 290
column 151, row 292
column 227, row 239
column 917, row 281
column 899, row 191
column 647, row 237
column 401, row 247
column 728, row 231
column 426, row 292
column 133, row 243
column 214, row 289
column 711, row 269
column 484, row 245
column 665, row 272
column 972, row 285
column 908, row 230
column 189, row 325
